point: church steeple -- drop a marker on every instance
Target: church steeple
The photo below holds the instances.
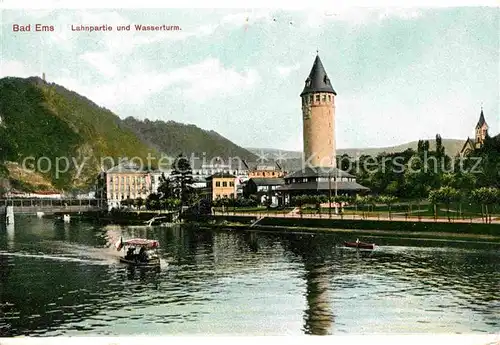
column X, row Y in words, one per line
column 481, row 121
column 481, row 130
column 318, row 80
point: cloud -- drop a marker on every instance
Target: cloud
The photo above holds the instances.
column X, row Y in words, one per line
column 210, row 79
column 285, row 71
column 102, row 62
column 357, row 16
column 199, row 82
column 13, row 68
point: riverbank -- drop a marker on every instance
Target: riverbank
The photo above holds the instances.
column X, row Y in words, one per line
column 119, row 218
column 393, row 227
column 445, row 236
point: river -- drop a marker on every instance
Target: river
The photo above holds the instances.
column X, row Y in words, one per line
column 65, row 279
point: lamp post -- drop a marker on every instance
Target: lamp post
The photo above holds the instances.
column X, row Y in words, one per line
column 336, row 190
column 330, row 194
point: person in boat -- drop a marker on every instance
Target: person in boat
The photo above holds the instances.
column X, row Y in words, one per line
column 130, row 254
column 143, row 255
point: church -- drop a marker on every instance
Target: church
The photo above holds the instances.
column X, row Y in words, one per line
column 481, row 132
column 319, row 174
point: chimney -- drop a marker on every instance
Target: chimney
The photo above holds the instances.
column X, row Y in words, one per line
column 43, row 76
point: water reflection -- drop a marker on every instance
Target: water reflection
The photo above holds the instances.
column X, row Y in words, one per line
column 220, row 282
column 10, row 230
column 315, row 253
column 318, row 317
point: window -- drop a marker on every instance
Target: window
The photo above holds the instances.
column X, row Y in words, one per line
column 317, row 98
column 329, row 98
column 224, row 184
column 311, row 98
column 217, row 184
column 231, row 184
column 324, row 98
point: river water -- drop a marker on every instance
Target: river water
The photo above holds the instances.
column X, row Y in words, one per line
column 65, row 279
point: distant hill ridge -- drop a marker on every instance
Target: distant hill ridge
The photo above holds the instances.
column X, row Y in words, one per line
column 173, row 138
column 452, row 147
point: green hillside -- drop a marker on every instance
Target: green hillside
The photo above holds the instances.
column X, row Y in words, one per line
column 39, row 119
column 173, row 138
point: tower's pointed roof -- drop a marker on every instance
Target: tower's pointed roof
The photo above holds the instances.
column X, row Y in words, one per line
column 481, row 121
column 318, row 80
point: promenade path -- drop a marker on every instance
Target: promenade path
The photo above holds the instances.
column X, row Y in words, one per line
column 381, row 217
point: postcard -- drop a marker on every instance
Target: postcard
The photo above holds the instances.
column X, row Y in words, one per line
column 230, row 171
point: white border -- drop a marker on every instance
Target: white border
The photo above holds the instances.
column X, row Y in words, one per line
column 463, row 339
column 279, row 4
column 442, row 339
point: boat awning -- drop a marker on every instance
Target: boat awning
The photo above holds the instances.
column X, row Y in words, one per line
column 142, row 242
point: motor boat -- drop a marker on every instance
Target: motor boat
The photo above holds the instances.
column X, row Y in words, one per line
column 139, row 252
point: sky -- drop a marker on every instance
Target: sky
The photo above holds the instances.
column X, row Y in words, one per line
column 401, row 74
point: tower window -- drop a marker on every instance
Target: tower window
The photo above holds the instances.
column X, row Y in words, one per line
column 311, row 98
column 317, row 98
column 329, row 98
column 324, row 98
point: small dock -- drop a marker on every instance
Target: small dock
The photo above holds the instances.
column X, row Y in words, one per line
column 33, row 206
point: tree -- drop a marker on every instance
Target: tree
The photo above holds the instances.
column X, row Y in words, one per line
column 127, row 202
column 389, row 201
column 139, row 202
column 299, row 201
column 153, row 201
column 165, row 189
column 440, row 151
column 486, row 197
column 182, row 180
column 444, row 195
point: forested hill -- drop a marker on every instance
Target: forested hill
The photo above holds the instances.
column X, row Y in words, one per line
column 173, row 138
column 39, row 119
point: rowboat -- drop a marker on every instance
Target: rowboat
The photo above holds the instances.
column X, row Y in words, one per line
column 139, row 252
column 360, row 245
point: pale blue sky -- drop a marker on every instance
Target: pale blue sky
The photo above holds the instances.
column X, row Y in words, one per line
column 400, row 74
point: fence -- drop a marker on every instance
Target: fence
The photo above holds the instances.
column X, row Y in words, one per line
column 397, row 216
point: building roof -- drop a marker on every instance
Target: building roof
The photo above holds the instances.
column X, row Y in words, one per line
column 220, row 175
column 126, row 167
column 222, row 164
column 318, row 172
column 262, row 181
column 322, row 186
column 468, row 144
column 481, row 121
column 318, row 80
